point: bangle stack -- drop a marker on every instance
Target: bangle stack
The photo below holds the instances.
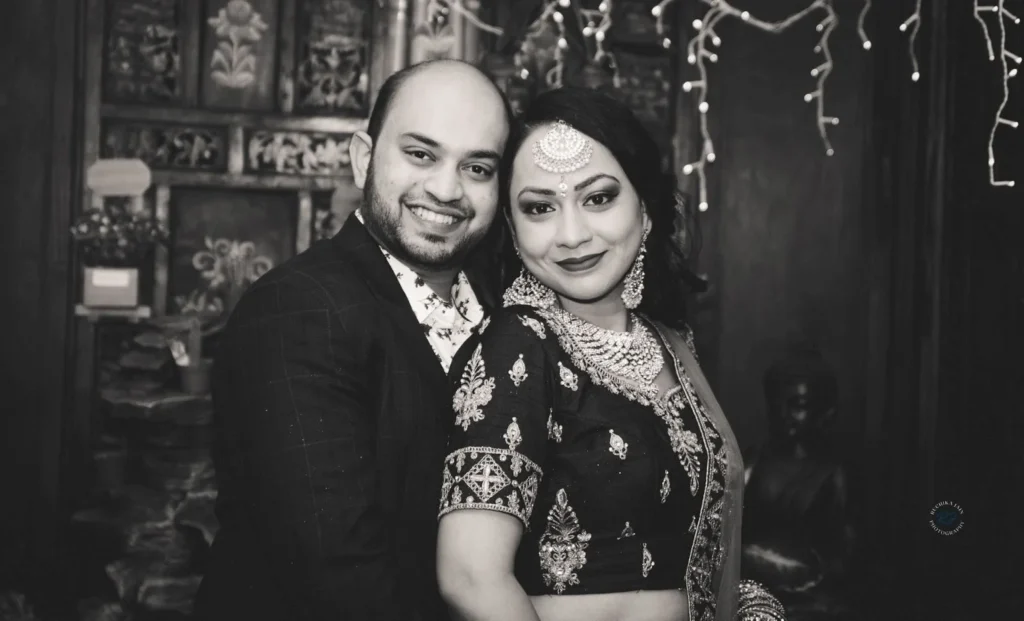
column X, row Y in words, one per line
column 757, row 604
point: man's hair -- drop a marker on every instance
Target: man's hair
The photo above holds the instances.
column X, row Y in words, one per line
column 391, row 87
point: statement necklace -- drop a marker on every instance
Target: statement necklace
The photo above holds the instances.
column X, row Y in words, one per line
column 634, row 356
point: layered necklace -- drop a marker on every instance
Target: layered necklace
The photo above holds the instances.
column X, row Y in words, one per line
column 634, row 356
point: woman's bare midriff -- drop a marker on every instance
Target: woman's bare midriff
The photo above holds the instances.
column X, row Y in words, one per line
column 670, row 605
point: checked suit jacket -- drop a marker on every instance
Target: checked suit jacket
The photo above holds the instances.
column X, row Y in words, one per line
column 331, row 418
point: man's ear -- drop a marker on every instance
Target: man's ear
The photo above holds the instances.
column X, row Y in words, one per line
column 360, row 152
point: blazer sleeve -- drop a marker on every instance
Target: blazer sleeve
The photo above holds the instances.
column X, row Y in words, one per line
column 502, row 403
column 295, row 396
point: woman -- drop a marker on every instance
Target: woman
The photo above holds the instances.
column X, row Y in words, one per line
column 591, row 474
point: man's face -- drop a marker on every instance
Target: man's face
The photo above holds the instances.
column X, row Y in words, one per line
column 431, row 191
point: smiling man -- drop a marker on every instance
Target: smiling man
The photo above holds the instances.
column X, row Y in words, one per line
column 330, row 397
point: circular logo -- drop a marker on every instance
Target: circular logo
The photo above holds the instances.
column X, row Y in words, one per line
column 947, row 518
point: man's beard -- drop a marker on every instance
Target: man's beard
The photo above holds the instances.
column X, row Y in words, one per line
column 385, row 225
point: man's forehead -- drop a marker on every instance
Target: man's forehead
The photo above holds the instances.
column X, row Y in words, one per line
column 449, row 101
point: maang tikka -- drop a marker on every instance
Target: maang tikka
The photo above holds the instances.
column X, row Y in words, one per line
column 563, row 149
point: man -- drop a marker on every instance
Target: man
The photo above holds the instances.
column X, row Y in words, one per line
column 331, row 400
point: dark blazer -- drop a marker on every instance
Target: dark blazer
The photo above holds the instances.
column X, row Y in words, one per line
column 332, row 415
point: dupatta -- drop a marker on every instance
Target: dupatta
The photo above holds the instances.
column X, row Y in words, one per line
column 726, row 578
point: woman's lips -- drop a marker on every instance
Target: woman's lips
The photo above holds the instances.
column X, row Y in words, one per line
column 580, row 264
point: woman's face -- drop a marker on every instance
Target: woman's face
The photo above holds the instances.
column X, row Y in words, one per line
column 582, row 244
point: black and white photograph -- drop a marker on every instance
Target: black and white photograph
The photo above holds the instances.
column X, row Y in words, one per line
column 512, row 310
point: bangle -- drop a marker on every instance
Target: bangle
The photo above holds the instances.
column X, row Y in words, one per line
column 757, row 604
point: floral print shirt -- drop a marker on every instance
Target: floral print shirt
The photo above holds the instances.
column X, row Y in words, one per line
column 446, row 325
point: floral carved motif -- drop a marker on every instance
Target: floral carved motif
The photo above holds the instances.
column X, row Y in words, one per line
column 174, row 147
column 142, row 51
column 238, row 27
column 334, row 49
column 227, row 267
column 297, row 153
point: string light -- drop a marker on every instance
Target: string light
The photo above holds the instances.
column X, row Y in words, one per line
column 1005, row 57
column 697, row 54
column 914, row 23
column 595, row 24
column 865, row 42
column 550, row 11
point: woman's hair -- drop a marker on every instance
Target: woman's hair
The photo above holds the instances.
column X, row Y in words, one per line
column 667, row 280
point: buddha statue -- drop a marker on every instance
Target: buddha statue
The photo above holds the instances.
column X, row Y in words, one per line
column 796, row 533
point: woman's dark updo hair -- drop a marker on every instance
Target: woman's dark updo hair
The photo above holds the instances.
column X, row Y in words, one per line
column 667, row 280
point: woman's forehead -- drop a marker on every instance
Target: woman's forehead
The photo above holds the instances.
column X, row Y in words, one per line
column 526, row 170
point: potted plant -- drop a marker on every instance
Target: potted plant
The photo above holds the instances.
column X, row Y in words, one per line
column 114, row 241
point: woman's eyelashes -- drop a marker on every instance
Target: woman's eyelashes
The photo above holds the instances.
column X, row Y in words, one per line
column 600, row 199
column 535, row 208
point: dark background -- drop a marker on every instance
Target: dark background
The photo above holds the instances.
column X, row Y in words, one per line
column 895, row 257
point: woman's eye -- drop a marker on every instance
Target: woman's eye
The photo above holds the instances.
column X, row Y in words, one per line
column 418, row 154
column 602, row 198
column 536, row 209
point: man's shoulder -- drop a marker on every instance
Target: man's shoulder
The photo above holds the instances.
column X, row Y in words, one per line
column 319, row 277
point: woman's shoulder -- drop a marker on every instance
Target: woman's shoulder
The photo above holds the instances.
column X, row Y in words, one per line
column 681, row 333
column 518, row 322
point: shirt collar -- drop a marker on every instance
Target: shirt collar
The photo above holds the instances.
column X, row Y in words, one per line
column 464, row 304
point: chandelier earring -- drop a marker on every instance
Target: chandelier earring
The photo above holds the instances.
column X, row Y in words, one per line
column 633, row 286
column 526, row 290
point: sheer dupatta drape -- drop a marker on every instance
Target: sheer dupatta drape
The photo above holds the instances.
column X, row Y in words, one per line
column 727, row 576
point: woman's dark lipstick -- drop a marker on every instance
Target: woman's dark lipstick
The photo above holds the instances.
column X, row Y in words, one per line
column 580, row 264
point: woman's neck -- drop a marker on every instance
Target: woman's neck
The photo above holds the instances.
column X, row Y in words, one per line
column 609, row 312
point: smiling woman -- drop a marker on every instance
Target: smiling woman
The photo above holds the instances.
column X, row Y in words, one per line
column 591, row 474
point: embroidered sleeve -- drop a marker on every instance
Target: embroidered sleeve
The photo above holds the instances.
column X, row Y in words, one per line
column 500, row 402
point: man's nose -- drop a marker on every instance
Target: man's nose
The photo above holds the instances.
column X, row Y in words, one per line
column 444, row 185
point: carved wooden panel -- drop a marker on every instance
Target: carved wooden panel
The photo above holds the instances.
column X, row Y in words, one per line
column 334, row 39
column 167, row 146
column 222, row 240
column 239, row 55
column 142, row 55
column 296, row 153
column 632, row 23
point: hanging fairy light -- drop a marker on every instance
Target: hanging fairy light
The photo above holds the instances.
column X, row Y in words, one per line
column 861, row 31
column 821, row 72
column 437, row 12
column 1005, row 57
column 550, row 12
column 698, row 54
column 914, row 24
column 595, row 24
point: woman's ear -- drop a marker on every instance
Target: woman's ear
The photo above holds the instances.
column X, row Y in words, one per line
column 360, row 153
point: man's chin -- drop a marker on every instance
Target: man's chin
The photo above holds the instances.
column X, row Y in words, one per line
column 429, row 252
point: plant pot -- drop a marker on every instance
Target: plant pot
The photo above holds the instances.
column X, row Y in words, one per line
column 111, row 287
column 195, row 378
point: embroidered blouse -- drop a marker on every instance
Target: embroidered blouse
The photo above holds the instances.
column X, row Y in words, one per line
column 446, row 325
column 618, row 489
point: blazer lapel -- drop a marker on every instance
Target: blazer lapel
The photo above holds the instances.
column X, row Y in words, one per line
column 355, row 242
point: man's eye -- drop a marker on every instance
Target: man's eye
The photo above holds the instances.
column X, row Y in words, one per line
column 418, row 154
column 480, row 171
